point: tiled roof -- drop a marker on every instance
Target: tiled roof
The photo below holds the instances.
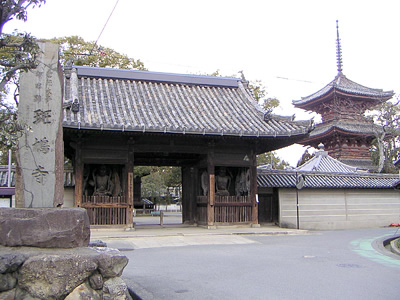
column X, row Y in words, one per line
column 323, row 171
column 342, row 84
column 69, row 178
column 141, row 101
column 322, row 162
column 287, row 179
column 360, row 164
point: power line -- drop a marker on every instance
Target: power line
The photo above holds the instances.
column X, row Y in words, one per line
column 116, row 3
column 292, row 79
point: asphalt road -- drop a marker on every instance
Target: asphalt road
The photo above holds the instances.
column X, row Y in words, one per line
column 321, row 265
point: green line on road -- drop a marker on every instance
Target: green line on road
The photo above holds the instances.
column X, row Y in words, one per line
column 364, row 248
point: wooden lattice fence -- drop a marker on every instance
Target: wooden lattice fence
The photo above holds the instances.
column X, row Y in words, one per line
column 105, row 210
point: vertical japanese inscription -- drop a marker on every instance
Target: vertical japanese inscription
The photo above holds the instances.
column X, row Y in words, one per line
column 41, row 149
column 41, row 145
column 40, row 174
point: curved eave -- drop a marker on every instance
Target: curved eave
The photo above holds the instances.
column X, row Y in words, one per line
column 328, row 131
column 373, row 100
column 189, row 131
column 342, row 85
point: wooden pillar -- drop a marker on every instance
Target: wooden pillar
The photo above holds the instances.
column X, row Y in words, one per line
column 186, row 206
column 211, row 187
column 78, row 174
column 130, row 184
column 194, row 192
column 253, row 188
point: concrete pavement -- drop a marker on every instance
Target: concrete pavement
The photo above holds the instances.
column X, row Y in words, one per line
column 152, row 236
column 318, row 265
column 317, row 254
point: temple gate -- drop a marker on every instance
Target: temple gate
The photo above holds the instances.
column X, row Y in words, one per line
column 211, row 127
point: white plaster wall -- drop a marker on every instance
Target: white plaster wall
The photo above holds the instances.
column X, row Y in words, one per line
column 69, row 195
column 330, row 209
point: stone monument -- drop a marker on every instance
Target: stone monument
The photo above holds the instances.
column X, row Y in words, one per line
column 40, row 149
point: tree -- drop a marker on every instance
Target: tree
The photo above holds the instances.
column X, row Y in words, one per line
column 259, row 92
column 305, row 157
column 172, row 176
column 385, row 147
column 160, row 180
column 153, row 186
column 18, row 52
column 272, row 159
column 11, row 9
column 82, row 53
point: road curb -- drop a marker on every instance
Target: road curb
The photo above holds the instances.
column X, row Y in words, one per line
column 138, row 292
column 272, row 233
column 393, row 246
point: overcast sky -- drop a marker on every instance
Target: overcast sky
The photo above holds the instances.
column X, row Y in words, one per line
column 289, row 45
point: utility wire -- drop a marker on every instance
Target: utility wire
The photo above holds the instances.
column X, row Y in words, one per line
column 116, row 3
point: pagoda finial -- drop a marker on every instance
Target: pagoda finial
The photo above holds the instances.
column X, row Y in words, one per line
column 338, row 49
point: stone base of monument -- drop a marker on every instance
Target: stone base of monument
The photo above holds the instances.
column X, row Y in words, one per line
column 66, row 272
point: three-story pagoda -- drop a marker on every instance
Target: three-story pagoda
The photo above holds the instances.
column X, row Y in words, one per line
column 345, row 131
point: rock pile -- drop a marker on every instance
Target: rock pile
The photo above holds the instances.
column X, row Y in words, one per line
column 56, row 273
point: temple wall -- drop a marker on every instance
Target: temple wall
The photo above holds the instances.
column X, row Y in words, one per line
column 332, row 209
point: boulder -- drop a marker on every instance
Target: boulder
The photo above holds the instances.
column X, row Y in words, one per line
column 44, row 227
column 115, row 289
column 8, row 281
column 8, row 295
column 84, row 292
column 32, row 273
column 54, row 276
column 24, row 295
column 10, row 262
column 111, row 263
column 96, row 281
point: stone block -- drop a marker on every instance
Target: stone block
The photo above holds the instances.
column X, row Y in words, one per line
column 44, row 227
column 111, row 263
column 116, row 289
column 84, row 292
column 32, row 273
column 54, row 276
column 10, row 262
column 96, row 281
column 8, row 281
column 8, row 295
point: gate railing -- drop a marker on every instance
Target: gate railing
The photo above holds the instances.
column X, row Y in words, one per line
column 227, row 209
column 106, row 210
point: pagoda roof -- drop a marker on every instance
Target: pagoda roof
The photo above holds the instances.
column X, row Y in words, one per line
column 166, row 103
column 356, row 129
column 341, row 84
